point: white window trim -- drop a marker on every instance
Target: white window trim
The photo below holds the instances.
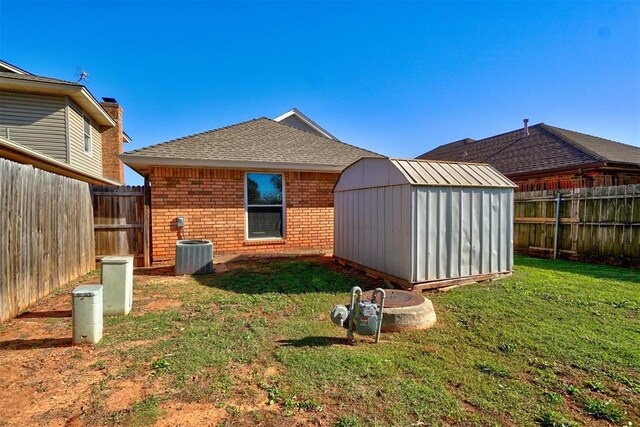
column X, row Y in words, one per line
column 246, row 208
column 84, row 146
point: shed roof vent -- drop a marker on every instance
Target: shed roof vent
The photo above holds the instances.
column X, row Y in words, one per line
column 525, row 131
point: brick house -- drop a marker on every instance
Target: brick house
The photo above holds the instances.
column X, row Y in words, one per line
column 543, row 157
column 60, row 127
column 260, row 186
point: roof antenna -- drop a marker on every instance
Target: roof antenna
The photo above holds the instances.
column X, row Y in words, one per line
column 81, row 75
column 525, row 131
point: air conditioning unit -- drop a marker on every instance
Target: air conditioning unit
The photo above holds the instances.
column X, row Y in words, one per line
column 194, row 257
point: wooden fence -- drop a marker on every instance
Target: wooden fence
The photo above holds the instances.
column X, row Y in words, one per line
column 599, row 224
column 46, row 234
column 121, row 216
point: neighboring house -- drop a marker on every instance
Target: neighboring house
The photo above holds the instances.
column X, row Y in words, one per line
column 60, row 127
column 258, row 186
column 543, row 157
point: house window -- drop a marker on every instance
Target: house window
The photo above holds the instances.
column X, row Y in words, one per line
column 264, row 198
column 88, row 147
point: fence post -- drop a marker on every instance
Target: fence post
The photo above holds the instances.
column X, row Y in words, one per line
column 147, row 223
column 555, row 236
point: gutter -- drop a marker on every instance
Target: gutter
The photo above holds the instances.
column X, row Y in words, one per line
column 138, row 162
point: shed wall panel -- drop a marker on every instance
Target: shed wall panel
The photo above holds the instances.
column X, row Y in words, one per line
column 462, row 232
column 373, row 228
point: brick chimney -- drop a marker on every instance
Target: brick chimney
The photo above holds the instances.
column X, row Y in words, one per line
column 112, row 143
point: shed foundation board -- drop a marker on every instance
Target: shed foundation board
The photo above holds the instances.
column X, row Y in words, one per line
column 459, row 281
column 375, row 273
column 434, row 284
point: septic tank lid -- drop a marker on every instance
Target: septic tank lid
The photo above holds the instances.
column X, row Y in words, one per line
column 396, row 298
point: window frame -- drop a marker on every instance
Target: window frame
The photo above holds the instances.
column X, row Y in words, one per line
column 86, row 119
column 282, row 205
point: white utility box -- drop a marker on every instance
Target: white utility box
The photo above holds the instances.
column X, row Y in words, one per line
column 117, row 282
column 87, row 314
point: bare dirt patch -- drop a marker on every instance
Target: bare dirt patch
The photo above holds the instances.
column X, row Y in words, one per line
column 190, row 414
column 44, row 380
column 124, row 394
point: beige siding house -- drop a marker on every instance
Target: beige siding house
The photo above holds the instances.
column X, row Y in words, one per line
column 86, row 158
column 59, row 126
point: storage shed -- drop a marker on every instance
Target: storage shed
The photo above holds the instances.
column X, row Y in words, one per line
column 424, row 224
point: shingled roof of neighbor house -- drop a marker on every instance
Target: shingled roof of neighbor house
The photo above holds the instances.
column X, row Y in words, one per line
column 252, row 142
column 545, row 148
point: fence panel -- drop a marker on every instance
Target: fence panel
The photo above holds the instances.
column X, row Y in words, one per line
column 46, row 234
column 119, row 216
column 596, row 224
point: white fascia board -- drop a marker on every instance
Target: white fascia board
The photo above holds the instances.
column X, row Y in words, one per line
column 13, row 68
column 87, row 101
column 305, row 120
column 138, row 161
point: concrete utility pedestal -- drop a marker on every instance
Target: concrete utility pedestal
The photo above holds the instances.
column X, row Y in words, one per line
column 87, row 314
column 117, row 282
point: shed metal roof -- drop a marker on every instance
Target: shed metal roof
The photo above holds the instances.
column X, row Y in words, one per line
column 381, row 172
column 420, row 172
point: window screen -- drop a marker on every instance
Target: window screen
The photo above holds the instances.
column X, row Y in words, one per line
column 87, row 135
column 265, row 206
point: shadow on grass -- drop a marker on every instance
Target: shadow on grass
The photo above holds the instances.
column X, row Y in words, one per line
column 287, row 276
column 155, row 271
column 36, row 343
column 597, row 271
column 313, row 342
column 44, row 314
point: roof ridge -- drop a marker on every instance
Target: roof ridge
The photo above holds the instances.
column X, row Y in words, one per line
column 478, row 141
column 575, row 144
column 34, row 77
column 324, row 137
column 138, row 150
column 448, row 144
column 591, row 136
column 458, row 162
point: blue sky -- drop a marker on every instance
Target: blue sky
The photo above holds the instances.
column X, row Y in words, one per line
column 396, row 78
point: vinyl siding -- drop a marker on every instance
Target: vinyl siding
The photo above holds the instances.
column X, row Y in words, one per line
column 79, row 159
column 35, row 121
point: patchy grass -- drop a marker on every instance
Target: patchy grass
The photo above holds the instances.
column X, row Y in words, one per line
column 557, row 344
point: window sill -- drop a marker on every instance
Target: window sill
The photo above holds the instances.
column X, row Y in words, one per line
column 259, row 242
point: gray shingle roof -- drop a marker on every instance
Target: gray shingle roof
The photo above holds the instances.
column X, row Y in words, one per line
column 32, row 78
column 257, row 140
column 545, row 148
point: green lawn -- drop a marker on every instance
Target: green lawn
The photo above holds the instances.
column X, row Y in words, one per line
column 556, row 344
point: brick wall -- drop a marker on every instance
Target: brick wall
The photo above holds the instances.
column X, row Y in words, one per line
column 112, row 142
column 211, row 201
